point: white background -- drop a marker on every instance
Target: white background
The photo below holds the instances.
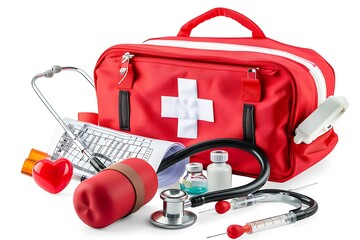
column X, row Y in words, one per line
column 38, row 34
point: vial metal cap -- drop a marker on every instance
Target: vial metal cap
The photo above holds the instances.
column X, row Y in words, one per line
column 194, row 167
column 219, row 156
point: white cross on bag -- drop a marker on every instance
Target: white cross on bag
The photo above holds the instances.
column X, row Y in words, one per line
column 188, row 108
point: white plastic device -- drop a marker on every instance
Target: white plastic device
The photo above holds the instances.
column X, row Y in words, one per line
column 321, row 120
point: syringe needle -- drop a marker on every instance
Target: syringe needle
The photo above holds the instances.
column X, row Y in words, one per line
column 208, row 210
column 302, row 187
column 219, row 234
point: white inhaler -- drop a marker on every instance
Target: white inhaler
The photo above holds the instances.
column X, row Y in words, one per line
column 219, row 173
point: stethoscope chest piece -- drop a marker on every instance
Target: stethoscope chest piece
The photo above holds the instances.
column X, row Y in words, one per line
column 173, row 215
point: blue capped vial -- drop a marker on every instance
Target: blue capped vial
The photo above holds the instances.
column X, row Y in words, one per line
column 194, row 182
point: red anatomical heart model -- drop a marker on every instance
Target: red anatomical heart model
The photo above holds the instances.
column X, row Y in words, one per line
column 53, row 176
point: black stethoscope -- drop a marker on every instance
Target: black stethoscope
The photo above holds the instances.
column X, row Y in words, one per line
column 174, row 216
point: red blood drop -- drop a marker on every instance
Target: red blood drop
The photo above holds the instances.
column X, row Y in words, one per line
column 235, row 231
column 222, row 207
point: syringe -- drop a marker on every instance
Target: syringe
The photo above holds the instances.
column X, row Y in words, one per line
column 241, row 202
column 235, row 231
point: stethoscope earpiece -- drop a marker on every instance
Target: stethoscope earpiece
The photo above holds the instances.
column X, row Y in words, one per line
column 173, row 215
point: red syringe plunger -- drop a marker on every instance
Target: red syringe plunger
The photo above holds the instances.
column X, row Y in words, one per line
column 235, row 231
column 222, row 207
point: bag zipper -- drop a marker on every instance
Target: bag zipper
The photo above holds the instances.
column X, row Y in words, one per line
column 127, row 57
column 314, row 70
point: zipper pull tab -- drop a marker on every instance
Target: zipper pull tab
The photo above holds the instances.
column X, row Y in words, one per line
column 126, row 72
column 251, row 73
column 251, row 88
column 125, row 63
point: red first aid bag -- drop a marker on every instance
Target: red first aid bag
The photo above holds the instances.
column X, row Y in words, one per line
column 190, row 89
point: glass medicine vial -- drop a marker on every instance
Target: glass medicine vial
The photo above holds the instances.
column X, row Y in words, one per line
column 194, row 182
column 219, row 173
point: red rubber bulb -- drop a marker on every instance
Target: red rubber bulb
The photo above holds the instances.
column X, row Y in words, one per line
column 235, row 231
column 222, row 207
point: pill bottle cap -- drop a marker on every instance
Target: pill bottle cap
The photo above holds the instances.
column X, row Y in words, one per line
column 37, row 155
column 219, row 156
column 28, row 166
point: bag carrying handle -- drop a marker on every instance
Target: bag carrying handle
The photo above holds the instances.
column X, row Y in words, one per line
column 216, row 12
